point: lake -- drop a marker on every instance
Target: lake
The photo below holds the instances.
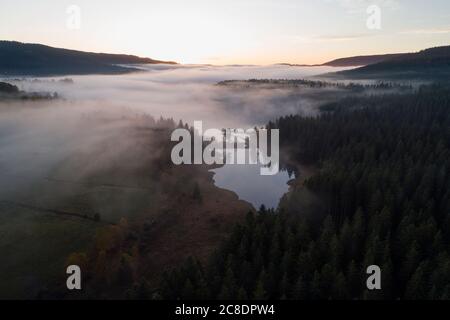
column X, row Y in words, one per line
column 247, row 182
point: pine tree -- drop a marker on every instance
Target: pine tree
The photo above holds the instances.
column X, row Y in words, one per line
column 196, row 194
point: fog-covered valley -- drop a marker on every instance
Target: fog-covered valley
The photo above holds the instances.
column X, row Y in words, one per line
column 98, row 152
column 90, row 162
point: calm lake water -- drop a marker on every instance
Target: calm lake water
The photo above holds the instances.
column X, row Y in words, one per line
column 249, row 185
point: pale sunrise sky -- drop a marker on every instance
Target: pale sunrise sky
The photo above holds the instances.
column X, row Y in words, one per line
column 232, row 31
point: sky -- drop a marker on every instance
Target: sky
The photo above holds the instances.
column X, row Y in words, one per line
column 231, row 31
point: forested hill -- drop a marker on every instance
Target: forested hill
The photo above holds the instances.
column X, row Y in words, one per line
column 384, row 176
column 356, row 61
column 35, row 59
column 433, row 63
column 361, row 60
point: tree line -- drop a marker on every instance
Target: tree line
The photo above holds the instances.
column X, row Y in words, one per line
column 384, row 179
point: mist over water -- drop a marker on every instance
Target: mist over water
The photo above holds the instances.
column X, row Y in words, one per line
column 38, row 136
column 187, row 92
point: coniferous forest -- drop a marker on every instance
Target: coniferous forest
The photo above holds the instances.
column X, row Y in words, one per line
column 383, row 178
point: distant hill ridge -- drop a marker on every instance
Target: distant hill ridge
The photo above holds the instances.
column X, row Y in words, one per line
column 432, row 63
column 18, row 58
column 362, row 60
column 355, row 61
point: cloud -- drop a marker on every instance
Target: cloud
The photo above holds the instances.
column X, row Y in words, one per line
column 427, row 31
column 354, row 6
column 329, row 38
column 347, row 37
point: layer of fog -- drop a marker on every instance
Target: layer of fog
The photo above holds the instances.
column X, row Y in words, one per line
column 90, row 151
column 189, row 93
column 40, row 138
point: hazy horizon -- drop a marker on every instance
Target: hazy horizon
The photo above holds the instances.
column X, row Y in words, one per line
column 237, row 32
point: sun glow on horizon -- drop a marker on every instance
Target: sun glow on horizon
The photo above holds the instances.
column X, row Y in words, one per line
column 232, row 32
